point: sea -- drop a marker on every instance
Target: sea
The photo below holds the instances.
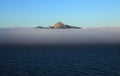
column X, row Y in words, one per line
column 60, row 61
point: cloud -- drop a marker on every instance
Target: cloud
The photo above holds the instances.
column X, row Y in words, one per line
column 86, row 36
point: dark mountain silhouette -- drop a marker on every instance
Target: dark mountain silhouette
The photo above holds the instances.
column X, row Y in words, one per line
column 60, row 25
column 39, row 27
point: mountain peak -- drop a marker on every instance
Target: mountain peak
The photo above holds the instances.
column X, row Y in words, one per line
column 59, row 25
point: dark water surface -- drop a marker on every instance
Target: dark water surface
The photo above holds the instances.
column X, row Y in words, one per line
column 58, row 61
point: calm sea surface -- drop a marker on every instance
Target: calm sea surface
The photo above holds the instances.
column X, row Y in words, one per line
column 59, row 61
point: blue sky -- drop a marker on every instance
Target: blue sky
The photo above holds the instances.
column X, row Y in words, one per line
column 84, row 13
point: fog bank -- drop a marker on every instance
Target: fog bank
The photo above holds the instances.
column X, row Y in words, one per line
column 33, row 36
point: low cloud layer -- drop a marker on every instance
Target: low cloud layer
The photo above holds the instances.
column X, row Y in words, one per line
column 86, row 36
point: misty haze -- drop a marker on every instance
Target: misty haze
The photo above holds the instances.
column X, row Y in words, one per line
column 85, row 36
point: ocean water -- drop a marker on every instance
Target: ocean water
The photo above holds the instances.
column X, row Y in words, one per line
column 59, row 61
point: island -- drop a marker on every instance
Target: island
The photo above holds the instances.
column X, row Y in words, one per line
column 59, row 25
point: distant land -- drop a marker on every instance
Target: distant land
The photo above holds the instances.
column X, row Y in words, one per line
column 59, row 25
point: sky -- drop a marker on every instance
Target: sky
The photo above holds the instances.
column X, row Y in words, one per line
column 82, row 13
